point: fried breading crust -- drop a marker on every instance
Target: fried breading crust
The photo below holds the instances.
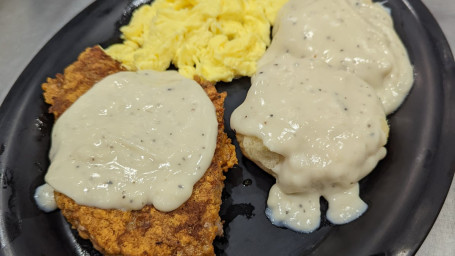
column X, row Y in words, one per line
column 91, row 66
column 188, row 230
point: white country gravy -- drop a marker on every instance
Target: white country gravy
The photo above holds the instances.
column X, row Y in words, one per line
column 352, row 35
column 44, row 197
column 333, row 71
column 329, row 126
column 134, row 139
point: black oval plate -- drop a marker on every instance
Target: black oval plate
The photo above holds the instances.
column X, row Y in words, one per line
column 404, row 193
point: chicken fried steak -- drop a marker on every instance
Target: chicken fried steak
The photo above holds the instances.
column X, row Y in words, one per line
column 188, row 230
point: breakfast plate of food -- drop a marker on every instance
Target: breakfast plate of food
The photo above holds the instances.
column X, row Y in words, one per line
column 230, row 128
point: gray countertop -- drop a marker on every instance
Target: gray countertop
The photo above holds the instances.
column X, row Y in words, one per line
column 27, row 25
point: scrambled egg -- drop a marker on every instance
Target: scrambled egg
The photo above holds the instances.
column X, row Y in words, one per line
column 217, row 40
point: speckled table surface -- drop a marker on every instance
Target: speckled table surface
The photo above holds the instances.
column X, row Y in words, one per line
column 27, row 25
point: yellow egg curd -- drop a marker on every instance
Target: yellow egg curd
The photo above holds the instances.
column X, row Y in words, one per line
column 217, row 40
